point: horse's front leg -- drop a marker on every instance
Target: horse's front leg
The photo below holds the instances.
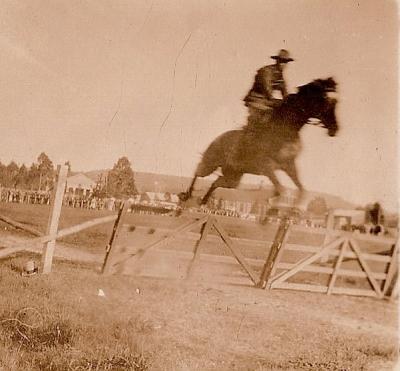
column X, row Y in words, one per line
column 291, row 171
column 269, row 172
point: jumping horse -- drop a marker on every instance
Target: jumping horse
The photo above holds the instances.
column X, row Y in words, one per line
column 273, row 146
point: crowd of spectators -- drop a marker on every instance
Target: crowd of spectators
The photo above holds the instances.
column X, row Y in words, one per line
column 91, row 202
column 24, row 196
column 43, row 198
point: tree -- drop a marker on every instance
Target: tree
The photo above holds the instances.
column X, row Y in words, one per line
column 121, row 181
column 11, row 174
column 33, row 179
column 46, row 171
column 21, row 180
column 2, row 174
column 100, row 189
column 68, row 163
column 317, row 206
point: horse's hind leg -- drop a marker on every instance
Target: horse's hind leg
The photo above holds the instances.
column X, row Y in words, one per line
column 205, row 168
column 269, row 171
column 230, row 179
column 184, row 196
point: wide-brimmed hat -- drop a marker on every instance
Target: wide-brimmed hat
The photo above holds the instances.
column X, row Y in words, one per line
column 283, row 56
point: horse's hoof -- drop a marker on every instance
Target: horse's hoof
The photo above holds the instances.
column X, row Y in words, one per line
column 183, row 196
column 276, row 193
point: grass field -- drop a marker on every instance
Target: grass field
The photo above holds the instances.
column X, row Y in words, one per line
column 60, row 322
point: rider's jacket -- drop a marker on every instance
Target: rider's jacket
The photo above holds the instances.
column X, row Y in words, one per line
column 268, row 80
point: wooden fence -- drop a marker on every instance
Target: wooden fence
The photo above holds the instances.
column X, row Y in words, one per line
column 343, row 263
column 374, row 266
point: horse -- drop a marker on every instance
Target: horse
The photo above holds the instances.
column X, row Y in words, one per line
column 273, row 146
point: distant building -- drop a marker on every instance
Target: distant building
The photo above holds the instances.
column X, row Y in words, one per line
column 80, row 185
column 346, row 218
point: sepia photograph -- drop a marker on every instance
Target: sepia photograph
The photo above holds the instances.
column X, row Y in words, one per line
column 199, row 185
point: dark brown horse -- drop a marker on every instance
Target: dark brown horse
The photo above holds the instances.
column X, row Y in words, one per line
column 274, row 146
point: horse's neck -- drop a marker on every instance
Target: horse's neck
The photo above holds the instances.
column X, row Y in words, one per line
column 291, row 114
column 289, row 120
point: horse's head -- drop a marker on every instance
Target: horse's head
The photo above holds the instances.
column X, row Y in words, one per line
column 320, row 96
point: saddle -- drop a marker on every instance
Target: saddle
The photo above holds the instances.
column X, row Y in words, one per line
column 261, row 102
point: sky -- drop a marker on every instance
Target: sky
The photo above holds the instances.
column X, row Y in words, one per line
column 157, row 81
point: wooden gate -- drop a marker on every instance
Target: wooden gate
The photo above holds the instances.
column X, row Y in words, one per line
column 343, row 261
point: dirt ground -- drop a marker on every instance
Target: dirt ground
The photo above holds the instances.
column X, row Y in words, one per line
column 218, row 321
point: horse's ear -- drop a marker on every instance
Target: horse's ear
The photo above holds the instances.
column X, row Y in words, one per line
column 330, row 84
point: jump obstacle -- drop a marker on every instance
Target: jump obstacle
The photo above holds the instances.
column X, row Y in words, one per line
column 329, row 259
column 277, row 272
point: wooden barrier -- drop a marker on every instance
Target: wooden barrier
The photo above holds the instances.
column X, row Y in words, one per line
column 21, row 226
column 206, row 223
column 117, row 225
column 341, row 245
column 51, row 235
column 48, row 240
column 328, row 259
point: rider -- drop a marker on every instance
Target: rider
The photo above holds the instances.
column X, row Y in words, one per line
column 268, row 82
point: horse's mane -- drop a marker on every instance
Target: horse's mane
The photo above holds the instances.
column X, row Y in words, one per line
column 317, row 87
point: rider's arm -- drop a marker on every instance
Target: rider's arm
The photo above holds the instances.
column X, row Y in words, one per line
column 284, row 89
column 267, row 79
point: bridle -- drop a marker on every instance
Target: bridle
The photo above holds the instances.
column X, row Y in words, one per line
column 332, row 97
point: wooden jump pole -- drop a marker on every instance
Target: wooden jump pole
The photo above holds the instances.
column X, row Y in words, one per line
column 275, row 253
column 235, row 251
column 55, row 212
column 205, row 230
column 114, row 234
column 393, row 267
column 21, row 226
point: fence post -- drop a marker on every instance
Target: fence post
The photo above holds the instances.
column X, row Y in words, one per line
column 55, row 211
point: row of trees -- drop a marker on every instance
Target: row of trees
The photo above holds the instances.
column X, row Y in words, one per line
column 40, row 176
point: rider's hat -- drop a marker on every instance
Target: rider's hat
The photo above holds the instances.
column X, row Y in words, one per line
column 283, row 56
column 29, row 268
